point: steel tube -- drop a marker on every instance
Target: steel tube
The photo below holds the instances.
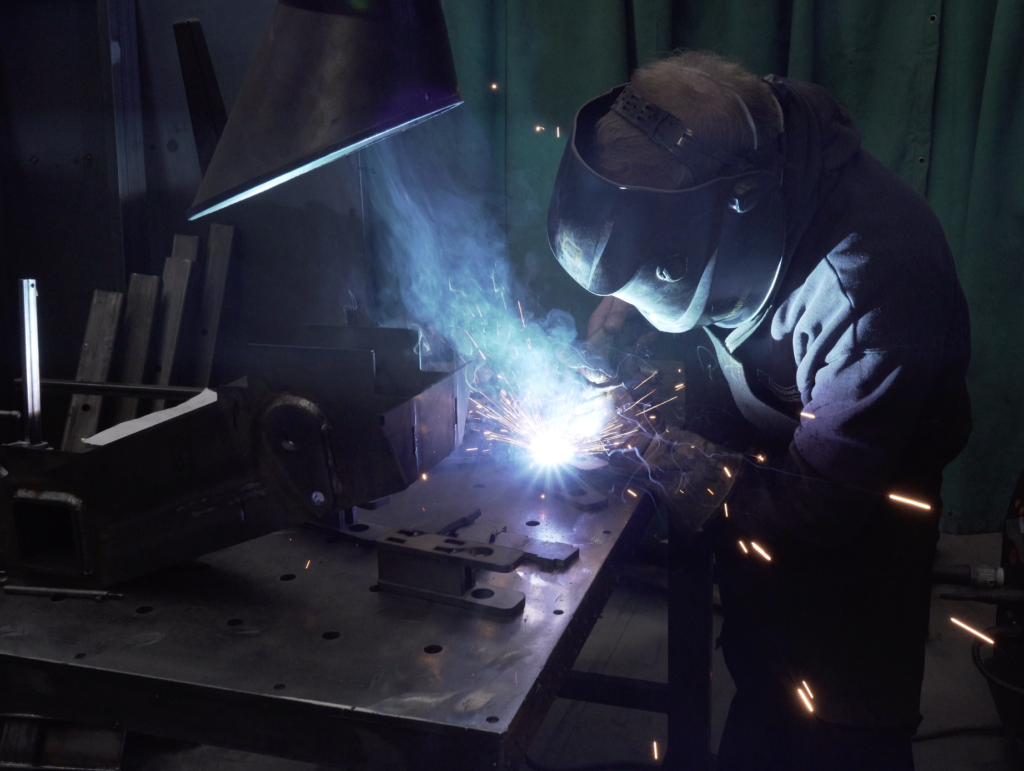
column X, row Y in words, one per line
column 30, row 362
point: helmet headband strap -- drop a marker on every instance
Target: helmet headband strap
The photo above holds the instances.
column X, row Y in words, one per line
column 667, row 131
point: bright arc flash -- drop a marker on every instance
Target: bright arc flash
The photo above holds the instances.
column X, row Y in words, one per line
column 807, row 688
column 806, row 701
column 973, row 631
column 909, row 501
column 550, row 448
column 760, row 551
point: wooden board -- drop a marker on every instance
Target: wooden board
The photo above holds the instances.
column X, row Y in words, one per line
column 174, row 292
column 93, row 365
column 136, row 331
column 215, row 277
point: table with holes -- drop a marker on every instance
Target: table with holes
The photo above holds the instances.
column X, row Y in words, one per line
column 282, row 646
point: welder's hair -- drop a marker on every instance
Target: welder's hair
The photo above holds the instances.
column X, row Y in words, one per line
column 704, row 104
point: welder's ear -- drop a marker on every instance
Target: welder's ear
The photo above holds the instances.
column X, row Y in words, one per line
column 745, row 196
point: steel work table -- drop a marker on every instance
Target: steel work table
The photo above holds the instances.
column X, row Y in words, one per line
column 282, row 646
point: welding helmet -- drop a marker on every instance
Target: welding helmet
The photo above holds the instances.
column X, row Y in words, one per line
column 685, row 257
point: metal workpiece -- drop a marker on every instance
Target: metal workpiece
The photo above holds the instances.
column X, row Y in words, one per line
column 283, row 646
column 31, row 399
column 442, row 568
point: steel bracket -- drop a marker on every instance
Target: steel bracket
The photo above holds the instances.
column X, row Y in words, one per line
column 443, row 569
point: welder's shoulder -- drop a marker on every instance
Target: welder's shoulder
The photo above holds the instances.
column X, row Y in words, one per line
column 889, row 256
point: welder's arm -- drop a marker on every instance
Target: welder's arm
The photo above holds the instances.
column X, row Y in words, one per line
column 841, row 462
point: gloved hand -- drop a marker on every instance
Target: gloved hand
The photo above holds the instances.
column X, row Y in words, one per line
column 693, row 475
column 616, row 338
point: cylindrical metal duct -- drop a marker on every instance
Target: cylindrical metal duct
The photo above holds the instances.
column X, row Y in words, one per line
column 330, row 77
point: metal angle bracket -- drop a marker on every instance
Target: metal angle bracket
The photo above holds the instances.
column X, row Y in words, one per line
column 443, row 569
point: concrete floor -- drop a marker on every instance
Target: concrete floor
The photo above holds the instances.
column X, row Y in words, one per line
column 629, row 641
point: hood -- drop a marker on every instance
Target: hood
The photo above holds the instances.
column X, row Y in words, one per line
column 820, row 139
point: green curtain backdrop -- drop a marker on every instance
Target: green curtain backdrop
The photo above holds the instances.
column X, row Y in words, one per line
column 936, row 87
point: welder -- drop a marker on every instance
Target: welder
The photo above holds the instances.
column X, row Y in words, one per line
column 834, row 353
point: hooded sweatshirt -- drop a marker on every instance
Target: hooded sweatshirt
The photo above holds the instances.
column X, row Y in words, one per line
column 853, row 380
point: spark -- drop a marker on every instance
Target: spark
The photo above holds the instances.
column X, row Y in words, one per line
column 760, row 551
column 680, row 386
column 744, row 547
column 806, row 701
column 710, row 490
column 631, row 406
column 542, row 496
column 810, row 415
column 727, row 472
column 558, row 131
column 472, row 449
column 975, row 632
column 644, row 381
column 521, row 316
column 726, row 506
column 760, row 458
column 553, row 431
column 909, row 501
column 538, row 129
column 307, row 564
column 423, row 476
column 474, row 343
column 655, row 750
column 659, row 404
column 479, row 311
column 631, row 492
column 494, row 86
column 807, row 688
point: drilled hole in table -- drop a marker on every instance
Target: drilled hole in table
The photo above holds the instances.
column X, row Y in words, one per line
column 234, row 622
column 482, row 594
column 433, row 649
column 279, row 687
column 358, row 527
column 58, row 598
column 532, row 523
column 142, row 609
column 479, row 486
column 331, row 635
column 79, row 655
column 558, row 612
column 607, row 532
column 492, row 719
column 287, row 577
column 375, row 588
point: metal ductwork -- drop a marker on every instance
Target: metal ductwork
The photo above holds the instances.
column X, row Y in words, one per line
column 330, row 77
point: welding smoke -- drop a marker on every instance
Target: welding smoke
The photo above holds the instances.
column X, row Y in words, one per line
column 443, row 267
column 441, row 256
